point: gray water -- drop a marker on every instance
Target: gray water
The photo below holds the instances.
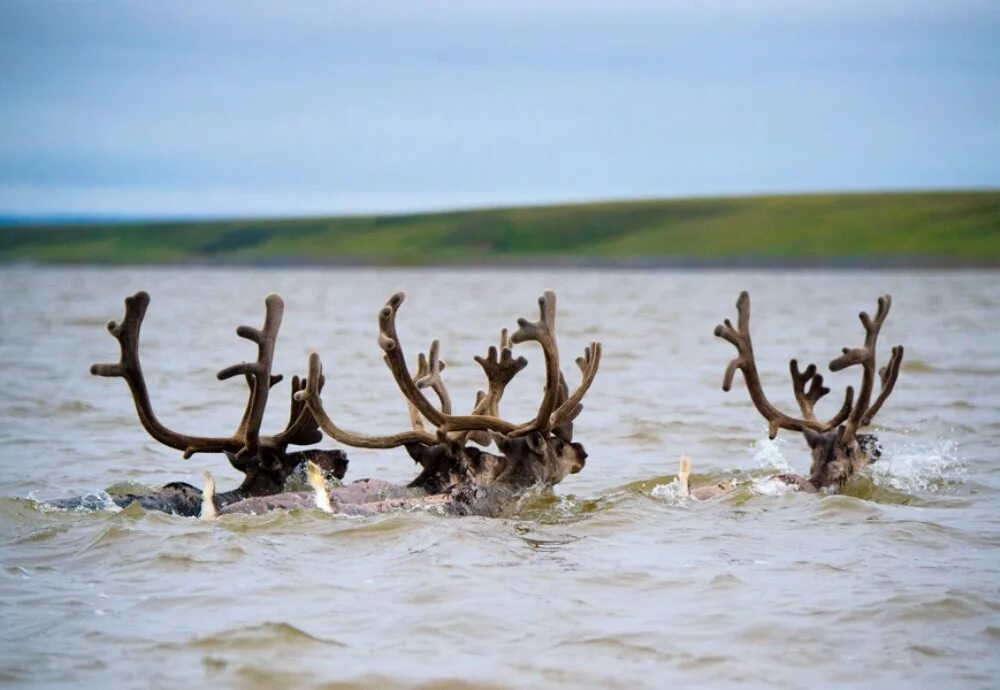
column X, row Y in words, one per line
column 613, row 582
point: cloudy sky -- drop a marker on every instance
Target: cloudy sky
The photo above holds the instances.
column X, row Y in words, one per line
column 244, row 108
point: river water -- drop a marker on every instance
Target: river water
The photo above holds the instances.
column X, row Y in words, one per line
column 613, row 582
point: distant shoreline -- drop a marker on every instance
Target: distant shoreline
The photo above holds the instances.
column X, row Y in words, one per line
column 550, row 263
column 906, row 230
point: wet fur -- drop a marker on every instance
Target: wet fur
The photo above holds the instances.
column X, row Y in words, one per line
column 181, row 498
column 834, row 462
column 455, row 479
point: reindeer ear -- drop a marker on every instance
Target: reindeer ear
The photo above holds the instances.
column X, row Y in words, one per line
column 536, row 442
column 417, row 451
column 511, row 447
column 235, row 461
column 329, row 460
column 271, row 459
column 503, row 443
column 841, row 431
column 812, row 438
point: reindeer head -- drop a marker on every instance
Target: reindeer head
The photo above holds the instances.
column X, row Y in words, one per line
column 264, row 460
column 538, row 451
column 838, row 450
column 545, row 460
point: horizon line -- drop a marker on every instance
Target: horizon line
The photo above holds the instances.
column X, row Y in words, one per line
column 70, row 219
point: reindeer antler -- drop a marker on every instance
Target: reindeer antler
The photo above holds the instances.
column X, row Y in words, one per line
column 258, row 373
column 541, row 331
column 862, row 413
column 745, row 362
column 500, row 367
column 301, row 429
column 310, row 396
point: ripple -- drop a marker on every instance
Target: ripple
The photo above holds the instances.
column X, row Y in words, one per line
column 611, row 580
column 264, row 636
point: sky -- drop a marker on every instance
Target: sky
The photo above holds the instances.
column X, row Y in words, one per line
column 243, row 108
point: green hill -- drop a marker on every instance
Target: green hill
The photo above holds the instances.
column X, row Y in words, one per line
column 956, row 228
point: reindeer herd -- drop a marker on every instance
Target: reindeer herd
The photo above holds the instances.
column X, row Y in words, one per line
column 458, row 473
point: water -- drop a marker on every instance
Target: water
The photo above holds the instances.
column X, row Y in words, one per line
column 614, row 582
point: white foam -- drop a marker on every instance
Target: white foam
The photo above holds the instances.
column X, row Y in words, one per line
column 669, row 492
column 767, row 455
column 771, row 486
column 909, row 466
column 98, row 501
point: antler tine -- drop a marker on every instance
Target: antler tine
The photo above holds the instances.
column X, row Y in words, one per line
column 302, row 429
column 310, row 395
column 571, row 407
column 888, row 375
column 259, row 371
column 388, row 341
column 129, row 368
column 500, row 368
column 744, row 361
column 565, row 430
column 429, row 370
column 542, row 332
column 807, row 399
column 865, row 356
column 416, row 421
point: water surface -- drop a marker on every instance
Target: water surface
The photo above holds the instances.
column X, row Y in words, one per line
column 614, row 582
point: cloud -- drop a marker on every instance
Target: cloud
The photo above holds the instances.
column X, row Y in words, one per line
column 326, row 107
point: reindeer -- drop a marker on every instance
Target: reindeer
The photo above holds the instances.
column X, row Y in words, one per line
column 264, row 460
column 456, row 477
column 838, row 450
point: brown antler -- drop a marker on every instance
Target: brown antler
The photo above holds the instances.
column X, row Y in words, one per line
column 744, row 361
column 571, row 407
column 129, row 368
column 310, row 396
column 258, row 373
column 862, row 412
column 807, row 399
column 888, row 375
column 301, row 430
column 500, row 368
column 541, row 331
column 429, row 370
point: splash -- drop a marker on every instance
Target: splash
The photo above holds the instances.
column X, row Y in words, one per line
column 771, row 486
column 98, row 501
column 767, row 455
column 670, row 492
column 911, row 466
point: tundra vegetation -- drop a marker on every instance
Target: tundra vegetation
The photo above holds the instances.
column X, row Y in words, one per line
column 925, row 228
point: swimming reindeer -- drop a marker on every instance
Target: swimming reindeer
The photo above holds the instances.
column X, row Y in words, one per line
column 838, row 449
column 264, row 460
column 456, row 476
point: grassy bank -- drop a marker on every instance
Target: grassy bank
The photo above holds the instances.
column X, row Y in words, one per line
column 913, row 228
